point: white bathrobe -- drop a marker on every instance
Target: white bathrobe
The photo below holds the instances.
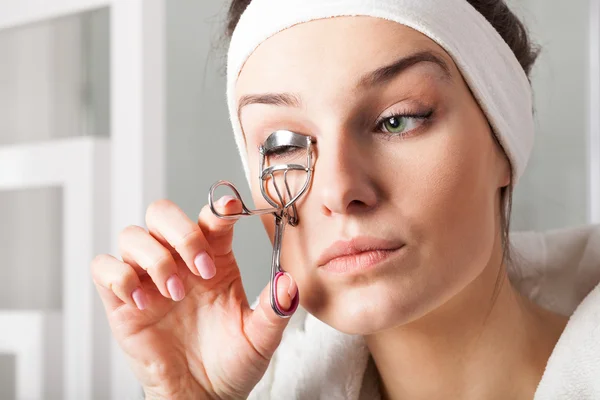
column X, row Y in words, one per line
column 559, row 270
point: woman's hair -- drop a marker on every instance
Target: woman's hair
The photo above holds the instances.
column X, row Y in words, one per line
column 514, row 33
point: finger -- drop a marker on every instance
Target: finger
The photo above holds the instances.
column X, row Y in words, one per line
column 218, row 231
column 139, row 247
column 117, row 283
column 263, row 327
column 170, row 226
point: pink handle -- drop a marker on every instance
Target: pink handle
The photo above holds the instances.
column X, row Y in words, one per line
column 295, row 300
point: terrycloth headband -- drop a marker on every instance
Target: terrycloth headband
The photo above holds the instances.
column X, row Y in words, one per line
column 486, row 62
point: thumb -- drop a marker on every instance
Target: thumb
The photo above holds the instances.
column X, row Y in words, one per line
column 263, row 327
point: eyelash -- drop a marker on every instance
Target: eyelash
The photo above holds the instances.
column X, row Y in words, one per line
column 423, row 117
column 280, row 152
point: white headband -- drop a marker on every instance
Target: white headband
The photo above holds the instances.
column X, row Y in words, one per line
column 486, row 62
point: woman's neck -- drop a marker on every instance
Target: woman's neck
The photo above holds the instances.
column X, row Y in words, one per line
column 465, row 350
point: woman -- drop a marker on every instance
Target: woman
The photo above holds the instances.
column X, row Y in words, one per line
column 422, row 122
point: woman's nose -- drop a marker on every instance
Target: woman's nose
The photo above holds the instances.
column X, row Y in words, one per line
column 343, row 180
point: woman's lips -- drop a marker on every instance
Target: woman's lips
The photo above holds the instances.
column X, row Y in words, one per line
column 357, row 254
column 357, row 262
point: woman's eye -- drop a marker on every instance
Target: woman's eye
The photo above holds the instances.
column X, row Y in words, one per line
column 285, row 154
column 278, row 151
column 401, row 124
column 395, row 124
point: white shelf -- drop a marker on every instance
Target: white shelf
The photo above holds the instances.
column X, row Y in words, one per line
column 21, row 12
column 43, row 164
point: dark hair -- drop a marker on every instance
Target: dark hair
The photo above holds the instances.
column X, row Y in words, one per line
column 514, row 33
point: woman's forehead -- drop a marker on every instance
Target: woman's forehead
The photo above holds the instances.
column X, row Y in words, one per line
column 339, row 48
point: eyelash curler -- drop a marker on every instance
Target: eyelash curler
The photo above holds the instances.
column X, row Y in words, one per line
column 283, row 206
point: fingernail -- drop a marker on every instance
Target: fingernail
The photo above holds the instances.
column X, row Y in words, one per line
column 139, row 297
column 225, row 200
column 205, row 265
column 175, row 288
column 292, row 287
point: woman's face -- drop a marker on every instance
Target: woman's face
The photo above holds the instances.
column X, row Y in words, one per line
column 406, row 163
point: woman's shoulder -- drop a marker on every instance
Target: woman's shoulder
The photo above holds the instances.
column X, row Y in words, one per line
column 560, row 270
column 573, row 369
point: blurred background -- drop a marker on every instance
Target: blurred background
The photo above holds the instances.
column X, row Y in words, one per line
column 107, row 105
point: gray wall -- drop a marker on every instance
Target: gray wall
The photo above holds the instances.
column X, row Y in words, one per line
column 200, row 144
column 553, row 192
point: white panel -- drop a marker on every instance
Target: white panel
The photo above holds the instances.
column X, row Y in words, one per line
column 81, row 167
column 20, row 12
column 137, row 131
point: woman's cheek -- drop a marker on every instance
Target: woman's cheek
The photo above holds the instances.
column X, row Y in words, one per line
column 437, row 190
column 462, row 222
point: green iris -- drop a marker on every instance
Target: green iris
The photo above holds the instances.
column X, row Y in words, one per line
column 395, row 124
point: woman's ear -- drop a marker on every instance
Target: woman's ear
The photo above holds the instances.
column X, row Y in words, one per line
column 503, row 167
column 505, row 171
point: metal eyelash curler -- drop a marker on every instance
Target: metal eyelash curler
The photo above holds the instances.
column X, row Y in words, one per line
column 284, row 205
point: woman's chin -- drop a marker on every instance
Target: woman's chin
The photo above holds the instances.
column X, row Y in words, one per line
column 364, row 315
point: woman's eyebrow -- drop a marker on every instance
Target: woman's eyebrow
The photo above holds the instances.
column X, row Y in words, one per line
column 276, row 99
column 375, row 78
column 387, row 73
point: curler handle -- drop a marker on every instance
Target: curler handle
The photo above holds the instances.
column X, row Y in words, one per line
column 245, row 210
column 276, row 270
column 275, row 303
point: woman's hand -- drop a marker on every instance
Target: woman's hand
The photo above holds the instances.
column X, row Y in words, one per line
column 177, row 307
